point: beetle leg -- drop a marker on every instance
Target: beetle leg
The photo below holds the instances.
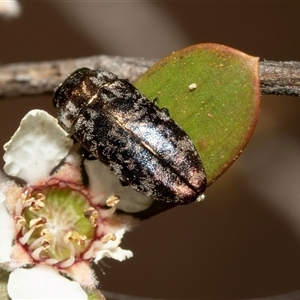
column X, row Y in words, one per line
column 155, row 100
column 124, row 183
column 88, row 156
column 165, row 111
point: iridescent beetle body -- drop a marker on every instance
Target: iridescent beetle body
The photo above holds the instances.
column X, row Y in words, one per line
column 140, row 143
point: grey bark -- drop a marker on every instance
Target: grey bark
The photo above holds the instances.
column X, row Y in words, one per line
column 278, row 78
column 43, row 77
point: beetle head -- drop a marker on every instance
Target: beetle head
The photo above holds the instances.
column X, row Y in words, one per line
column 76, row 92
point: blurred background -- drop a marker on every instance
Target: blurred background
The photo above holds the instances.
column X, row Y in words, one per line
column 243, row 241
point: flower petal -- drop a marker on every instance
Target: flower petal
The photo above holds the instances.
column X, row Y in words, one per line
column 117, row 254
column 7, row 231
column 38, row 145
column 42, row 282
column 112, row 249
column 103, row 182
column 10, row 9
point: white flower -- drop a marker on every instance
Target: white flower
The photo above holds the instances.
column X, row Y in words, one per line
column 50, row 223
column 10, row 9
column 50, row 286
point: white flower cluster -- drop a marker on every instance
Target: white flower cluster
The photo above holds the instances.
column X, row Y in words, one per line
column 50, row 223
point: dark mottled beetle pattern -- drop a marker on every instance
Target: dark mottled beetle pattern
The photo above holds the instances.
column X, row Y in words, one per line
column 139, row 142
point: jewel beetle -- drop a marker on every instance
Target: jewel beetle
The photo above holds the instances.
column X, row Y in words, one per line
column 138, row 141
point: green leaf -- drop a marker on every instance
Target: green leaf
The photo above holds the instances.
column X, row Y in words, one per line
column 212, row 92
column 3, row 284
column 95, row 295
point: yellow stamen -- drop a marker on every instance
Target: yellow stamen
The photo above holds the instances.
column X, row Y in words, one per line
column 38, row 222
column 109, row 237
column 112, row 200
column 92, row 214
column 38, row 203
column 45, row 238
column 20, row 222
column 74, row 236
